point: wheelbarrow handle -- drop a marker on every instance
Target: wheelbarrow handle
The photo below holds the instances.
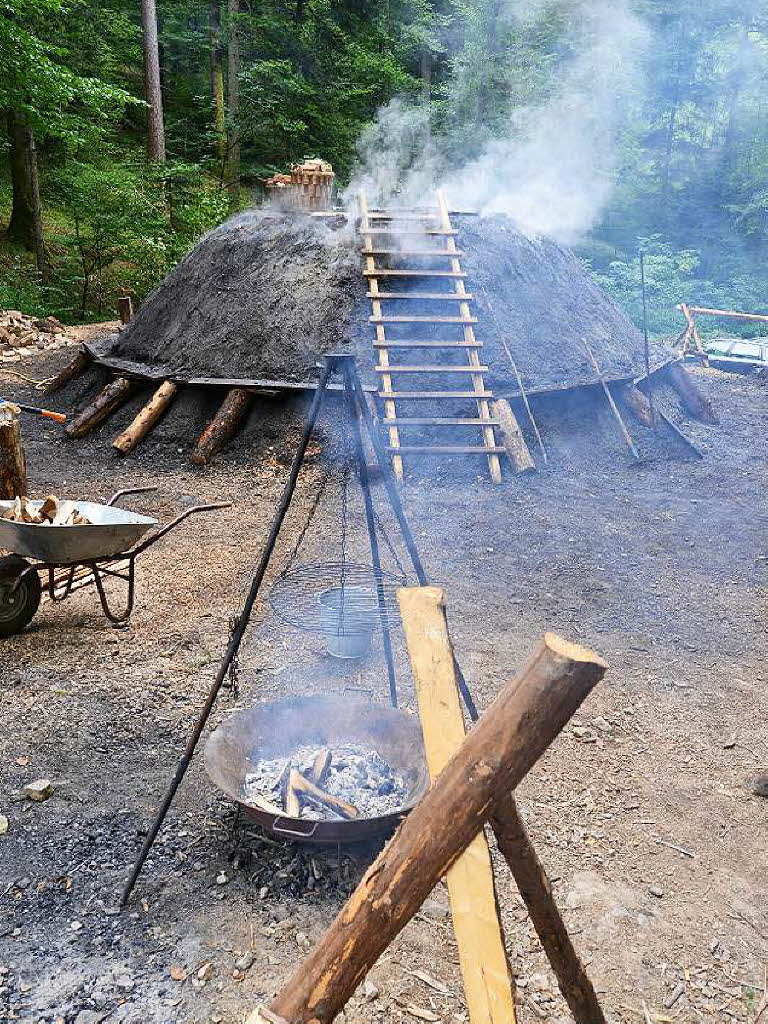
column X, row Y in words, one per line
column 175, row 522
column 129, row 490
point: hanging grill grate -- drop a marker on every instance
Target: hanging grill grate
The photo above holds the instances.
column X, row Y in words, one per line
column 337, row 598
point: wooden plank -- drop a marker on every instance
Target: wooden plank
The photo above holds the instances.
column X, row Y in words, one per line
column 483, row 407
column 447, row 449
column 420, row 296
column 410, row 272
column 411, row 252
column 386, row 382
column 442, row 421
column 394, row 368
column 435, row 394
column 415, row 343
column 488, row 981
column 379, row 319
column 762, row 317
column 442, row 232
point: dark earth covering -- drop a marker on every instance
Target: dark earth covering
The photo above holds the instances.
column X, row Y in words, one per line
column 643, row 811
column 265, row 294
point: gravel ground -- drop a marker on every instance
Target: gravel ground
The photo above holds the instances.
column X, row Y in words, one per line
column 642, row 811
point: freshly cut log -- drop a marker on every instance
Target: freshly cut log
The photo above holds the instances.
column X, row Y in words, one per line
column 488, row 980
column 115, row 394
column 125, row 309
column 13, row 460
column 518, row 727
column 638, row 404
column 512, row 436
column 79, row 365
column 535, row 888
column 146, row 418
column 304, row 788
column 694, row 401
column 223, row 426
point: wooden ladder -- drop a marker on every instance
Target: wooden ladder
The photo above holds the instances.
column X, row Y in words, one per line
column 433, row 227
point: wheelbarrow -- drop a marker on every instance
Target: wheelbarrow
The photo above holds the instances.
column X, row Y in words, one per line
column 69, row 558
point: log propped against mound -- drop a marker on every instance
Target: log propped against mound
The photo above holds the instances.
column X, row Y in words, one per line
column 115, row 394
column 71, row 371
column 694, row 401
column 223, row 426
column 146, row 419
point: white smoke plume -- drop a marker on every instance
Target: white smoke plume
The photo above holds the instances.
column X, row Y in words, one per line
column 552, row 167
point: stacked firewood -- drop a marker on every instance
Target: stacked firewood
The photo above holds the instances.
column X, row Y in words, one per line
column 52, row 511
column 307, row 187
column 21, row 335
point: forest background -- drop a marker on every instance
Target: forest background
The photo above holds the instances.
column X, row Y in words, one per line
column 102, row 193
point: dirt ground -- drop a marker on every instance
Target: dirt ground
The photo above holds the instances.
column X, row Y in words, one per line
column 642, row 810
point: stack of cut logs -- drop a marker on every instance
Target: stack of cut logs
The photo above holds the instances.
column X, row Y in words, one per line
column 52, row 511
column 21, row 335
column 307, row 187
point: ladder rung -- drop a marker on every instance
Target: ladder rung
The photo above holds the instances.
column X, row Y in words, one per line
column 427, row 344
column 412, row 252
column 423, row 319
column 442, row 449
column 431, row 369
column 426, row 296
column 407, row 231
column 435, row 394
column 401, row 214
column 405, row 272
column 437, row 421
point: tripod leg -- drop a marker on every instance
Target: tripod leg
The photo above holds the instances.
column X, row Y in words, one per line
column 237, row 635
column 369, row 520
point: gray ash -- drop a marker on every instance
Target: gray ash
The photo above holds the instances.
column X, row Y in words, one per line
column 356, row 774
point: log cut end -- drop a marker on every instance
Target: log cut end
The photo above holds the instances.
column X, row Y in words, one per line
column 568, row 651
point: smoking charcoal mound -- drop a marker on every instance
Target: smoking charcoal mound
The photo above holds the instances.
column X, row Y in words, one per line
column 266, row 294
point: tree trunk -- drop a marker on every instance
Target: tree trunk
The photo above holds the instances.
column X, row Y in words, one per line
column 233, row 96
column 223, row 426
column 26, row 223
column 217, row 84
column 115, row 394
column 76, row 368
column 152, row 89
column 146, row 418
column 13, row 462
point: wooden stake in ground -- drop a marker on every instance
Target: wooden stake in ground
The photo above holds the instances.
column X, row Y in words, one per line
column 433, row 663
column 13, row 461
column 223, row 426
column 614, row 408
column 115, row 394
column 518, row 727
column 125, row 309
column 146, row 418
column 512, row 436
column 488, row 981
column 79, row 365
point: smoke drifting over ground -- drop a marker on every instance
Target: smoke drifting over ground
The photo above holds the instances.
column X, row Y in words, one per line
column 552, row 167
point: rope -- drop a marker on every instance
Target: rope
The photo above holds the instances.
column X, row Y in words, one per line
column 39, row 385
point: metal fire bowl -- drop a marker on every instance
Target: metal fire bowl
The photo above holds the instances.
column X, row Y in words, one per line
column 114, row 530
column 277, row 728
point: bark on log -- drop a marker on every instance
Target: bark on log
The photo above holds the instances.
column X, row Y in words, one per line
column 223, row 426
column 488, row 980
column 507, row 741
column 535, row 888
column 694, row 401
column 13, row 461
column 79, row 365
column 512, row 437
column 638, row 404
column 104, row 404
column 125, row 309
column 146, row 418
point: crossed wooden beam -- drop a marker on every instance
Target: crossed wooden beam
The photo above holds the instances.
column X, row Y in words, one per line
column 473, row 781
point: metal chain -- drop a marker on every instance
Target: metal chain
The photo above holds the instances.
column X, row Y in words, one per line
column 385, row 537
column 299, row 540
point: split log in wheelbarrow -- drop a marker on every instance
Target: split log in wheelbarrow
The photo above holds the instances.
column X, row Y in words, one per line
column 69, row 558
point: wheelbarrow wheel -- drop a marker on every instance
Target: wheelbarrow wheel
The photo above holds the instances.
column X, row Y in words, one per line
column 17, row 607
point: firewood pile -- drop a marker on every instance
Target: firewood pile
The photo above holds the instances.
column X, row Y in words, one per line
column 52, row 511
column 325, row 785
column 307, row 187
column 22, row 335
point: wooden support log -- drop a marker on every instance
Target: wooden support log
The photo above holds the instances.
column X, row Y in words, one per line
column 513, row 439
column 13, row 461
column 321, row 766
column 146, row 418
column 304, row 788
column 518, row 727
column 488, row 981
column 694, row 401
column 223, row 426
column 535, row 888
column 125, row 309
column 79, row 365
column 108, row 400
column 638, row 404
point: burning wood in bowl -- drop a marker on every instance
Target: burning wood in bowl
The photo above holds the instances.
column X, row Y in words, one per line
column 52, row 511
column 320, row 784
